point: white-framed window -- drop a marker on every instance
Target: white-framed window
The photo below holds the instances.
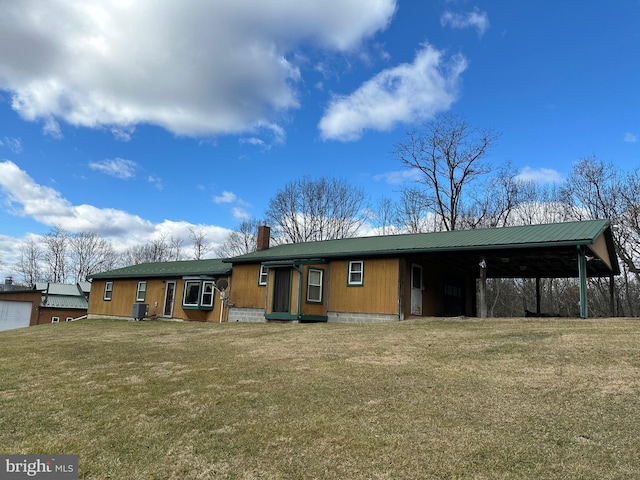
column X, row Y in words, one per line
column 141, row 292
column 191, row 293
column 108, row 290
column 198, row 294
column 69, row 319
column 356, row 273
column 206, row 299
column 264, row 273
column 314, row 285
column 55, row 319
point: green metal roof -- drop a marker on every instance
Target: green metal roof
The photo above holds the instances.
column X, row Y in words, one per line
column 62, row 295
column 65, row 301
column 168, row 269
column 527, row 236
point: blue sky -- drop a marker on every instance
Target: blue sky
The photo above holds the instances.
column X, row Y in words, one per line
column 134, row 119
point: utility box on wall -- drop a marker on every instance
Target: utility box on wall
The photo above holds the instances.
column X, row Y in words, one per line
column 139, row 310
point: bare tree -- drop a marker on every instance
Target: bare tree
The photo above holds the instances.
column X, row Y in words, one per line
column 592, row 189
column 29, row 263
column 412, row 214
column 448, row 153
column 159, row 250
column 383, row 215
column 175, row 249
column 323, row 209
column 55, row 255
column 241, row 241
column 200, row 247
column 90, row 253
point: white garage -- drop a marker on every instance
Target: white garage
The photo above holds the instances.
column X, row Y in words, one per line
column 14, row 314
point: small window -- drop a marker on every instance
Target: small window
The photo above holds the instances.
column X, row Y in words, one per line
column 264, row 273
column 356, row 273
column 314, row 285
column 141, row 292
column 55, row 319
column 191, row 293
column 69, row 319
column 207, row 294
column 108, row 290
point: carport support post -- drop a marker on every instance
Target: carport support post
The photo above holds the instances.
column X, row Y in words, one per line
column 612, row 304
column 582, row 273
column 483, row 288
column 538, row 295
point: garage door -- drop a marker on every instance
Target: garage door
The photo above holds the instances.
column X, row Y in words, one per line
column 14, row 314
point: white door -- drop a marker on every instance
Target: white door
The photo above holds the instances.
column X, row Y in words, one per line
column 14, row 314
column 416, row 289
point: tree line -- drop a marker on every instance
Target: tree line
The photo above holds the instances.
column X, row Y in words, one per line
column 455, row 187
column 62, row 257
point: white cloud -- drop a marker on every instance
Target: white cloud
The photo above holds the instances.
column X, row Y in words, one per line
column 46, row 205
column 26, row 198
column 13, row 144
column 630, row 137
column 52, row 128
column 240, row 213
column 195, row 68
column 155, row 181
column 409, row 93
column 115, row 167
column 539, row 175
column 475, row 19
column 399, row 177
column 226, row 197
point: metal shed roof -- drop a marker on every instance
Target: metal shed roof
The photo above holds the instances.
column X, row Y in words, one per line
column 168, row 269
column 544, row 250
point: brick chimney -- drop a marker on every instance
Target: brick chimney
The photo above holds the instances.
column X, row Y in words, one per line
column 264, row 234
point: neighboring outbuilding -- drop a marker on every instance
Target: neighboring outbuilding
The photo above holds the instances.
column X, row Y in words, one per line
column 45, row 303
column 180, row 290
column 62, row 302
column 390, row 278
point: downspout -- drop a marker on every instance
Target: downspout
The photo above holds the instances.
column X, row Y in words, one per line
column 299, row 303
column 266, row 294
column 582, row 273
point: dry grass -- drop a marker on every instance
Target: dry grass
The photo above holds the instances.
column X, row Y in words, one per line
column 512, row 399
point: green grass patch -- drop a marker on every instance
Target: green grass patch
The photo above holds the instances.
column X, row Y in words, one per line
column 497, row 399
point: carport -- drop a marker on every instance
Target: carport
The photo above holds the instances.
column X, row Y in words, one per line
column 564, row 250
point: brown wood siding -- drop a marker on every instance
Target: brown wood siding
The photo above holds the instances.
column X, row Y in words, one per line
column 314, row 308
column 295, row 278
column 124, row 296
column 47, row 314
column 246, row 292
column 378, row 294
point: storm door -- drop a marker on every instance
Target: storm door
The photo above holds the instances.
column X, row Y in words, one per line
column 169, row 297
column 282, row 290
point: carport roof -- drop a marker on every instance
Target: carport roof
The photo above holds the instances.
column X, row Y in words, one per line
column 546, row 250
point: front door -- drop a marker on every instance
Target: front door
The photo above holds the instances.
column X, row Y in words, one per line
column 282, row 290
column 416, row 290
column 169, row 296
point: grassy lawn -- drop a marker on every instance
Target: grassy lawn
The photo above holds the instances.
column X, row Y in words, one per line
column 517, row 399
